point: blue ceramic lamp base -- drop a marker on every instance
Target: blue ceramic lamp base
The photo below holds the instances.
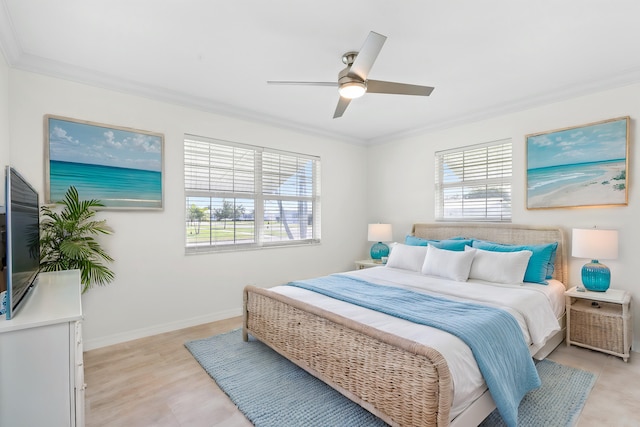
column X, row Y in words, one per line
column 378, row 250
column 596, row 277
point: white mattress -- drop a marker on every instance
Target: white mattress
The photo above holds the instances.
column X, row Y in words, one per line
column 535, row 307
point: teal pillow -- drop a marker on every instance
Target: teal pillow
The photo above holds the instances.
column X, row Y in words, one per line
column 453, row 244
column 540, row 267
column 415, row 241
column 551, row 267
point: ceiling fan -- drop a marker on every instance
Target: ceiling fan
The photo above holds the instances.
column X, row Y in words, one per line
column 352, row 81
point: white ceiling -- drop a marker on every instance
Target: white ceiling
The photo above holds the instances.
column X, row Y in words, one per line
column 483, row 57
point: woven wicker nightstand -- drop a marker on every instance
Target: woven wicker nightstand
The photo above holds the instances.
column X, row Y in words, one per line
column 600, row 321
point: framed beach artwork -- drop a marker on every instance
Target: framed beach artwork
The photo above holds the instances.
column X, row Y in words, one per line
column 579, row 166
column 119, row 166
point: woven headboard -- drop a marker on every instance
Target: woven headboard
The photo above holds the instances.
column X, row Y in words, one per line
column 502, row 233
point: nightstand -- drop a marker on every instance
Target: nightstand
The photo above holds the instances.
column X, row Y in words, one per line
column 368, row 263
column 600, row 320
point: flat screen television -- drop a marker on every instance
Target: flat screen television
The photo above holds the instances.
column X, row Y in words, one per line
column 22, row 213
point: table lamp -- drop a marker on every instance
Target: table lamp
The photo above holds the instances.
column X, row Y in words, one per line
column 595, row 244
column 379, row 233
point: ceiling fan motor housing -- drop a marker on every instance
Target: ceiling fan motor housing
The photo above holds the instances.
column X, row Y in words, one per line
column 350, row 86
column 345, row 77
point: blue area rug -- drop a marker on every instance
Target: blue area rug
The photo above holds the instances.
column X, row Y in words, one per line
column 273, row 392
column 556, row 403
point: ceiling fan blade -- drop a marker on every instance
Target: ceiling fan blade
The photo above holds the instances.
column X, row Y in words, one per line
column 343, row 103
column 367, row 55
column 278, row 82
column 379, row 86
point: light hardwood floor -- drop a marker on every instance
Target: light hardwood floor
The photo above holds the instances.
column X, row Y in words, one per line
column 155, row 381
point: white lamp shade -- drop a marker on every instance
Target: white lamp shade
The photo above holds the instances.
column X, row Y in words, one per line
column 594, row 243
column 380, row 233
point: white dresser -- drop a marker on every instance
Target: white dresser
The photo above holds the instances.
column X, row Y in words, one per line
column 41, row 368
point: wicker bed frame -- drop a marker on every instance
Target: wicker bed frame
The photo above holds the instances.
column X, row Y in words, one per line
column 400, row 381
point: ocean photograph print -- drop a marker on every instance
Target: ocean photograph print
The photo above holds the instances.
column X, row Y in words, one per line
column 119, row 166
column 579, row 166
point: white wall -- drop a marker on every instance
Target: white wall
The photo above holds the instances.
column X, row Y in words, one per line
column 4, row 119
column 401, row 177
column 157, row 287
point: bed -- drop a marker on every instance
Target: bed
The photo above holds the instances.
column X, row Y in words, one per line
column 395, row 372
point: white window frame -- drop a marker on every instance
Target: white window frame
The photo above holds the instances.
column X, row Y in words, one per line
column 478, row 168
column 248, row 190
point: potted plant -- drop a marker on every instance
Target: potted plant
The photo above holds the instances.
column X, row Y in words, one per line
column 67, row 240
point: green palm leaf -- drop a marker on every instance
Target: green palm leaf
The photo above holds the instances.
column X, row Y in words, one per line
column 67, row 240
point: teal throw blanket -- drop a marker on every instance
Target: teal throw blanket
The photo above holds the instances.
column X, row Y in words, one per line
column 493, row 335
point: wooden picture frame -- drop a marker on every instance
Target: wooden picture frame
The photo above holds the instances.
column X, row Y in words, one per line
column 579, row 166
column 121, row 167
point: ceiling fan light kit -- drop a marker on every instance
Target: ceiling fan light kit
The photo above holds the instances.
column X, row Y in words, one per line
column 352, row 81
column 352, row 90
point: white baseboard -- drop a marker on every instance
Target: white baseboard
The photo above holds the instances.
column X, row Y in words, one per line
column 92, row 344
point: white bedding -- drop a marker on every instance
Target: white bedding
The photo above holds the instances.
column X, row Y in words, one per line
column 535, row 307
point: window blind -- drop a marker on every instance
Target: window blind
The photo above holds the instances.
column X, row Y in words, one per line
column 243, row 196
column 473, row 183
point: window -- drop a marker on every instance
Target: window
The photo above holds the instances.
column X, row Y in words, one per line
column 241, row 196
column 474, row 183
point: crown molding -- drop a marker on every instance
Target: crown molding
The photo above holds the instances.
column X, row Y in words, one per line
column 8, row 42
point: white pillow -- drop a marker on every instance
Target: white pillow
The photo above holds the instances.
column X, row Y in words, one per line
column 453, row 265
column 500, row 267
column 407, row 257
